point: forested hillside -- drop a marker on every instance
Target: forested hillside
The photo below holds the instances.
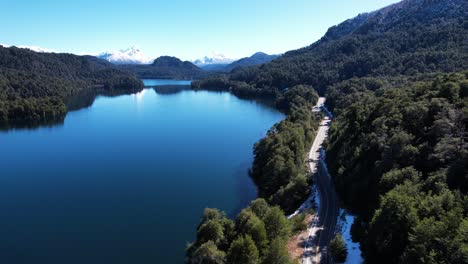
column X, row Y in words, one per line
column 256, row 59
column 34, row 86
column 408, row 38
column 396, row 81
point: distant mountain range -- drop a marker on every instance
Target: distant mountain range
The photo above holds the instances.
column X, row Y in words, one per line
column 134, row 60
column 221, row 64
column 165, row 67
column 213, row 59
column 132, row 55
column 256, row 59
column 407, row 38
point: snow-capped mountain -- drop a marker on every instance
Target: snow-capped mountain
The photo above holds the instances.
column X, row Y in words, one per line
column 214, row 58
column 131, row 55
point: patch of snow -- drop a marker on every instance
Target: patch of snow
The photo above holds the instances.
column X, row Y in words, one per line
column 132, row 55
column 313, row 201
column 213, row 58
column 345, row 221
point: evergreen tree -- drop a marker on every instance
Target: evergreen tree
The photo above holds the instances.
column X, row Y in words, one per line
column 277, row 253
column 338, row 249
column 243, row 251
column 208, row 253
column 277, row 225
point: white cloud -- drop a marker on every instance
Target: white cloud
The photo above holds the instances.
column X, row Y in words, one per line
column 33, row 48
column 89, row 53
column 38, row 49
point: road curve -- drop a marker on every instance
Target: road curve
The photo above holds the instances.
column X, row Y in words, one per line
column 322, row 228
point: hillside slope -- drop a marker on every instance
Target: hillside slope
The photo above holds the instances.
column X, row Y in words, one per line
column 256, row 59
column 408, row 38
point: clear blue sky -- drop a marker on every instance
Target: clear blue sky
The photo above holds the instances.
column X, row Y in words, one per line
column 184, row 28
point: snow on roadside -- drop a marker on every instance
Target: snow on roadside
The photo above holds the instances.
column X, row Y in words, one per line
column 345, row 220
column 313, row 201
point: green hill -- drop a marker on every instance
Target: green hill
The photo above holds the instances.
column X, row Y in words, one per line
column 34, row 86
column 166, row 67
column 408, row 38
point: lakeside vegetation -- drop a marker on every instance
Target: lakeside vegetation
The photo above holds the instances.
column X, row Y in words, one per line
column 279, row 168
column 34, row 86
column 261, row 231
column 257, row 235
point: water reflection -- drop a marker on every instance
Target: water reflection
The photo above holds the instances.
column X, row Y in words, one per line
column 76, row 102
column 170, row 89
column 86, row 99
column 82, row 100
column 32, row 124
column 247, row 191
column 139, row 96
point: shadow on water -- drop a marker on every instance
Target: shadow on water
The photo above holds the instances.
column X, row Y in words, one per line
column 267, row 101
column 80, row 101
column 169, row 89
column 246, row 189
column 175, row 89
column 86, row 99
column 32, row 124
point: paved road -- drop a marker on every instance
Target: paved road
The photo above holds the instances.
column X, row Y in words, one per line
column 314, row 154
column 322, row 228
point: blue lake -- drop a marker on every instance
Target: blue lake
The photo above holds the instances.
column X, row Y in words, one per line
column 126, row 179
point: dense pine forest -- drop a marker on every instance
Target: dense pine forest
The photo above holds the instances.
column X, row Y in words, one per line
column 34, row 87
column 399, row 158
column 396, row 80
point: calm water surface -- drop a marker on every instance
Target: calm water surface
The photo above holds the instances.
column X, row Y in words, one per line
column 126, row 179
